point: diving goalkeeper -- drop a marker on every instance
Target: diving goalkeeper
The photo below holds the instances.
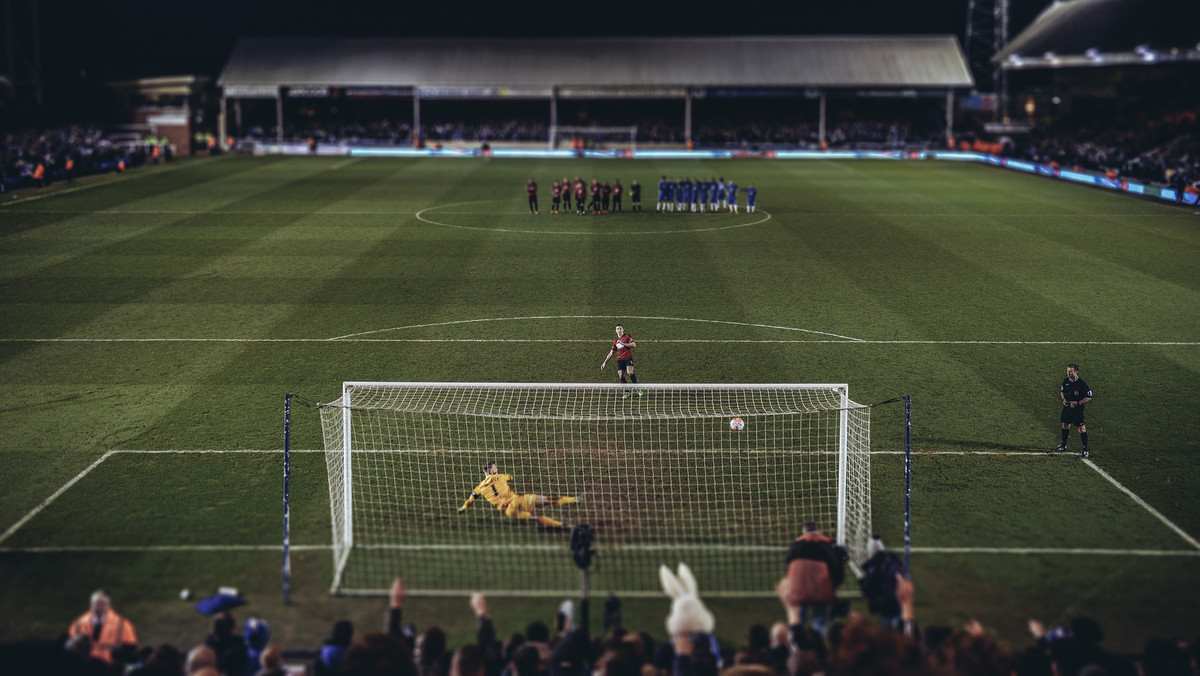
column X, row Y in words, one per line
column 494, row 488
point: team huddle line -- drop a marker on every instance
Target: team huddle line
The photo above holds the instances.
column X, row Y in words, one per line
column 686, row 195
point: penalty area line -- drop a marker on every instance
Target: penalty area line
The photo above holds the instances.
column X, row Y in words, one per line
column 45, row 503
column 1145, row 505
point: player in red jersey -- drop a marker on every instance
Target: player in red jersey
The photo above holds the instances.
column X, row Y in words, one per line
column 623, row 348
column 532, row 191
column 616, row 200
column 580, row 191
column 567, row 187
column 555, row 197
column 594, row 204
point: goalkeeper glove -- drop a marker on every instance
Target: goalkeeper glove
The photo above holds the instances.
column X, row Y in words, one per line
column 461, row 510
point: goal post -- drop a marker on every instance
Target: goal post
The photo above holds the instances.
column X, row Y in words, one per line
column 661, row 476
column 598, row 137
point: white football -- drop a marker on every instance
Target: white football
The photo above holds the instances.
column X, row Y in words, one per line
column 737, row 424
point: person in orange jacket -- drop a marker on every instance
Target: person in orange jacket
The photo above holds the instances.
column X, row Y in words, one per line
column 107, row 630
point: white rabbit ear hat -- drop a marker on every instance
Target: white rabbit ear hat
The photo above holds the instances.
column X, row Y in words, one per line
column 688, row 613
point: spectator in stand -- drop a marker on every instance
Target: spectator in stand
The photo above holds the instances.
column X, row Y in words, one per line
column 256, row 635
column 165, row 660
column 382, row 653
column 1073, row 647
column 468, row 660
column 107, row 630
column 377, row 655
column 526, row 661
column 200, row 658
column 271, row 662
column 329, row 657
column 815, row 571
column 537, row 635
column 432, row 657
column 229, row 647
column 757, row 648
column 878, row 583
column 485, row 637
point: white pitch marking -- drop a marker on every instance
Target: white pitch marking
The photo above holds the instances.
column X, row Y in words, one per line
column 217, row 450
column 1055, row 550
column 923, row 453
column 419, row 217
column 1034, row 453
column 261, row 212
column 668, row 319
column 163, row 548
column 339, row 165
column 1178, row 531
column 353, row 338
column 45, row 503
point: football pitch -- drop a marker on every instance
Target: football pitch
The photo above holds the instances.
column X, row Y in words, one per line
column 153, row 322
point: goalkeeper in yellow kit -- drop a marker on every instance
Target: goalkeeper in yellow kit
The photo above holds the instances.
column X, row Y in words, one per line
column 494, row 488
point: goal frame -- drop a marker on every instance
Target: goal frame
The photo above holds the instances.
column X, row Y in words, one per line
column 559, row 131
column 343, row 548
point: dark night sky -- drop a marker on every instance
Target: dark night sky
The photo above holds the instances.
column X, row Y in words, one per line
column 89, row 42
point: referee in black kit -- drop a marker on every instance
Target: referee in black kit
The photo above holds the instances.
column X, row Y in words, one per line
column 1075, row 393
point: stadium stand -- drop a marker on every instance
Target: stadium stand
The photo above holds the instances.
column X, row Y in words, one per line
column 319, row 79
column 36, row 158
column 853, row 645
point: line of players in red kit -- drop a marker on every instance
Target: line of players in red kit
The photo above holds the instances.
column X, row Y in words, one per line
column 605, row 197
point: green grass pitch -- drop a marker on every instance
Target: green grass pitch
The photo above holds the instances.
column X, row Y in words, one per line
column 171, row 309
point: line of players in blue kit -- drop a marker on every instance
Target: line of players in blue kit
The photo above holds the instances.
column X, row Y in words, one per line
column 674, row 195
column 700, row 196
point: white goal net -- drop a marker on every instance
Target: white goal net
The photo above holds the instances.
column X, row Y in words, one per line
column 581, row 138
column 661, row 476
